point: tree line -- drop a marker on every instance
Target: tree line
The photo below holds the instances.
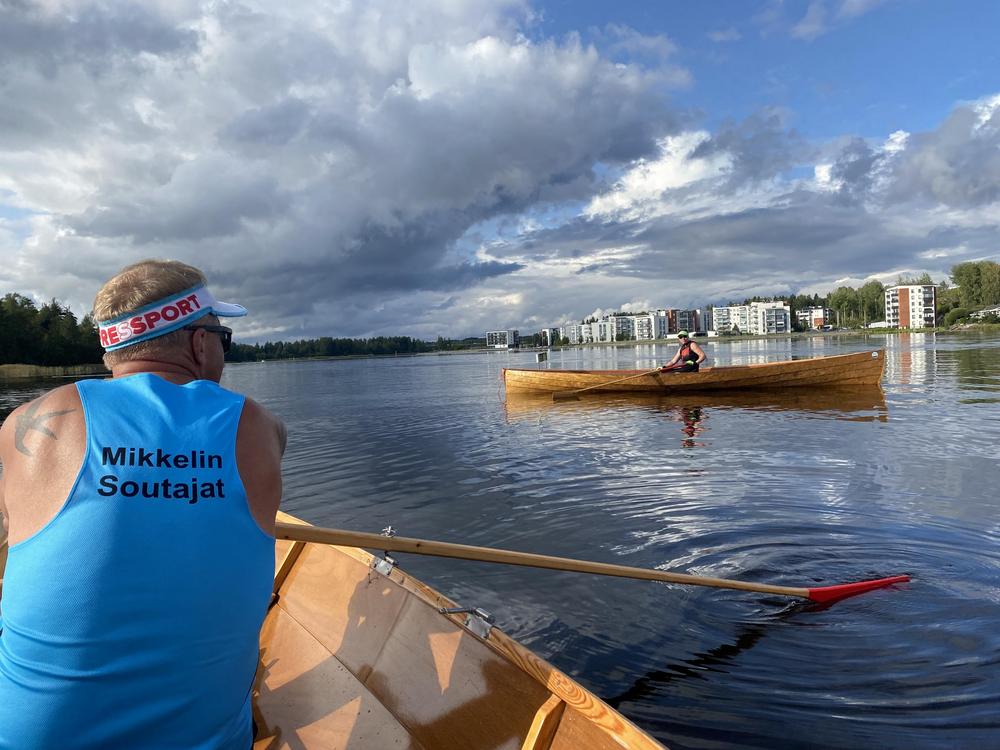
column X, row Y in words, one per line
column 328, row 347
column 49, row 335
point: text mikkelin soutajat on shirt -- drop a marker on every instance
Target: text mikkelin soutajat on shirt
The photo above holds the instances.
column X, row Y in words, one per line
column 192, row 490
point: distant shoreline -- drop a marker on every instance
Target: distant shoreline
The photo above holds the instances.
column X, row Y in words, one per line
column 17, row 372
column 23, row 372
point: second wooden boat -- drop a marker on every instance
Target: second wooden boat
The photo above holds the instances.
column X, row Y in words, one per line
column 840, row 370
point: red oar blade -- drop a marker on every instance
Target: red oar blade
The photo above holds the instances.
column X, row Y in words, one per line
column 844, row 590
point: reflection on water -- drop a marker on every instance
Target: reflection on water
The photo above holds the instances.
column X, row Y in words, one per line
column 788, row 488
column 829, row 402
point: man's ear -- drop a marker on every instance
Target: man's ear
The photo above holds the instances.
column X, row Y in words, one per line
column 198, row 346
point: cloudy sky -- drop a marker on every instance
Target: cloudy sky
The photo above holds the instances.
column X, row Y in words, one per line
column 441, row 167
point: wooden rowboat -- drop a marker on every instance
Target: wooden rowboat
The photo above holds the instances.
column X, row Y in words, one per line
column 355, row 657
column 841, row 370
column 352, row 657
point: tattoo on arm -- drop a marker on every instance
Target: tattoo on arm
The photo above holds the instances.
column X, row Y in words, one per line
column 31, row 420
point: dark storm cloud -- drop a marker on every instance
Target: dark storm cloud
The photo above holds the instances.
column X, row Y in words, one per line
column 760, row 147
column 855, row 169
column 956, row 165
column 203, row 200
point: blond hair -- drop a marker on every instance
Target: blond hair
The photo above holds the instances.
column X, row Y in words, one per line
column 136, row 286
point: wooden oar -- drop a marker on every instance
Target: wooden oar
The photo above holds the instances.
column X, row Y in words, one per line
column 346, row 538
column 567, row 395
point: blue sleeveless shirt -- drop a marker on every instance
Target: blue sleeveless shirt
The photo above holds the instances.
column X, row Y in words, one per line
column 131, row 619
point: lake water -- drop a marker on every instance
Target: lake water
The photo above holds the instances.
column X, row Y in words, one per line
column 792, row 491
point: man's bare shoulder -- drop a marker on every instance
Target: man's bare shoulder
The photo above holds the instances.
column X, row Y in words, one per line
column 37, row 416
column 261, row 420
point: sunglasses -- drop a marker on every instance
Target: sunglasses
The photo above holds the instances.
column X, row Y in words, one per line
column 225, row 334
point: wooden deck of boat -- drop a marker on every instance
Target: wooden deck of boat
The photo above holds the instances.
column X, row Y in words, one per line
column 842, row 370
column 352, row 658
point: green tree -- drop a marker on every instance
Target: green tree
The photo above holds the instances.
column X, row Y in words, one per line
column 968, row 277
column 872, row 297
column 956, row 315
column 990, row 278
column 847, row 302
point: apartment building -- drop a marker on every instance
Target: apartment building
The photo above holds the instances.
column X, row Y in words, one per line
column 603, row 331
column 687, row 320
column 731, row 318
column 624, row 326
column 911, row 306
column 570, row 333
column 644, row 326
column 814, row 318
column 509, row 339
column 770, row 317
column 580, row 333
column 659, row 324
column 755, row 318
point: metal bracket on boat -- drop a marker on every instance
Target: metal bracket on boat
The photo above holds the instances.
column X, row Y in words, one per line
column 384, row 565
column 479, row 621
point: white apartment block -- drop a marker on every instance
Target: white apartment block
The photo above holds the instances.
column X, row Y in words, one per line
column 570, row 333
column 624, row 325
column 814, row 318
column 770, row 317
column 659, row 324
column 755, row 318
column 602, row 331
column 913, row 306
column 644, row 326
column 731, row 318
column 509, row 339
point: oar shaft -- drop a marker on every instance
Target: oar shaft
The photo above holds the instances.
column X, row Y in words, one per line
column 620, row 380
column 345, row 538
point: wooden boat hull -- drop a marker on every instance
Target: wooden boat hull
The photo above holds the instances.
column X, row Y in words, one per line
column 841, row 370
column 352, row 658
column 857, row 403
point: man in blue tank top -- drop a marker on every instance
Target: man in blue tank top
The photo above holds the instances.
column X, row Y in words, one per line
column 140, row 512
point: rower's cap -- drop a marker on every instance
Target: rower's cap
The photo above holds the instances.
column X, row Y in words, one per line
column 683, row 335
column 164, row 316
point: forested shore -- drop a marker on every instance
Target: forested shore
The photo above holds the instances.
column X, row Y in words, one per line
column 48, row 336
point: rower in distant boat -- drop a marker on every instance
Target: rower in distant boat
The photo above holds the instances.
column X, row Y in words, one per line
column 688, row 356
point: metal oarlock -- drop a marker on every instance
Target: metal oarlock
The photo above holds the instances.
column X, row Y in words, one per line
column 479, row 621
